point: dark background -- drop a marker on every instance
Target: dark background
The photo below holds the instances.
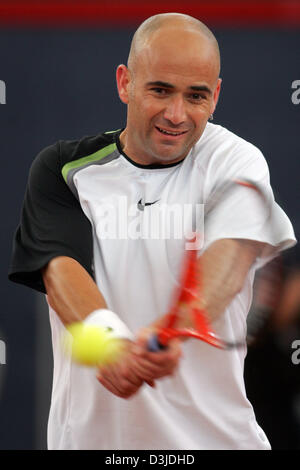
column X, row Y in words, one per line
column 60, row 84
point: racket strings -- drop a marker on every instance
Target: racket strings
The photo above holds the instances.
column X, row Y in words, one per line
column 190, row 280
column 189, row 320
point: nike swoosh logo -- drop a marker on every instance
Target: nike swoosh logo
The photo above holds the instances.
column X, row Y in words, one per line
column 142, row 206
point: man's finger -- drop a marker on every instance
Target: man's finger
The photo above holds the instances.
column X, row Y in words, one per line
column 121, row 387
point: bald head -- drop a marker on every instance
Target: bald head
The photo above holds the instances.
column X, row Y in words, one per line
column 163, row 26
column 171, row 87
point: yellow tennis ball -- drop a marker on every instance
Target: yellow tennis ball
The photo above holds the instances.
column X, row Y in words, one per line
column 91, row 345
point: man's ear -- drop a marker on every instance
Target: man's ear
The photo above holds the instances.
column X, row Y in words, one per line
column 216, row 95
column 123, row 79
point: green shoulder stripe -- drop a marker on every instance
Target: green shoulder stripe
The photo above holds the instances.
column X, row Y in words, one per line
column 112, row 132
column 94, row 157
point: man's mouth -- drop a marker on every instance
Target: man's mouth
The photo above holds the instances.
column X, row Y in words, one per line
column 171, row 133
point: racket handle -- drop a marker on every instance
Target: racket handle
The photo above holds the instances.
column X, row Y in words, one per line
column 154, row 345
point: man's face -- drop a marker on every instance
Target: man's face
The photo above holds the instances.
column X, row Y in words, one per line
column 170, row 94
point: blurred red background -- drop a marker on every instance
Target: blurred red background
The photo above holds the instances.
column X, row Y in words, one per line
column 93, row 12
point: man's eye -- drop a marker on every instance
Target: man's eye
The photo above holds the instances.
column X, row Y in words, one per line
column 196, row 96
column 159, row 91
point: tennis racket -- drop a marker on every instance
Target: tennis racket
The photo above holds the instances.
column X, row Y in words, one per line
column 190, row 286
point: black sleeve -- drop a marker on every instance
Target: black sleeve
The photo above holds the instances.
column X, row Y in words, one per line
column 52, row 223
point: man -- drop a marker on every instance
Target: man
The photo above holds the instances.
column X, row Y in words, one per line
column 190, row 396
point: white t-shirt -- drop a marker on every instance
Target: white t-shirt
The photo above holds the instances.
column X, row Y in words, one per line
column 204, row 405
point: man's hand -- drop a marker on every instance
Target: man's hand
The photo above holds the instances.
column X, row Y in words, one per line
column 155, row 365
column 120, row 377
column 137, row 366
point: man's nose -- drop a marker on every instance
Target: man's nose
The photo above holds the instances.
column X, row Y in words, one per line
column 175, row 111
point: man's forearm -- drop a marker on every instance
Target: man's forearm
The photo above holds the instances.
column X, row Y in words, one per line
column 71, row 291
column 223, row 269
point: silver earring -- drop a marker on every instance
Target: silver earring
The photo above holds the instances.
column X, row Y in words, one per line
column 211, row 117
